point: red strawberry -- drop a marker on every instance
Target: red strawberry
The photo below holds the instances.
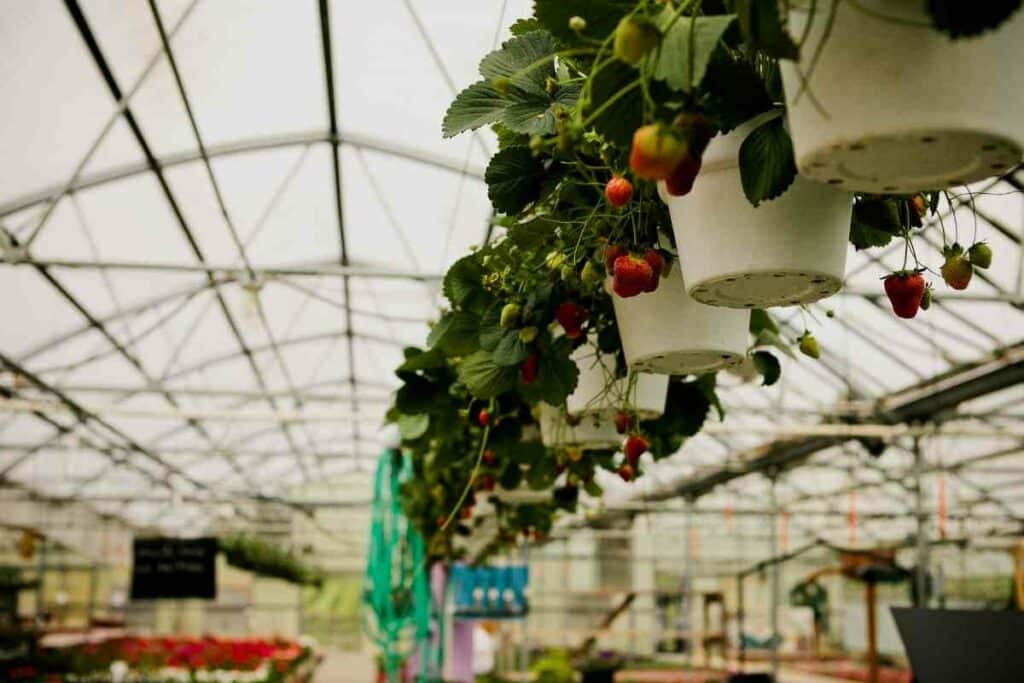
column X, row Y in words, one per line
column 957, row 270
column 626, row 471
column 623, row 422
column 571, row 316
column 905, row 291
column 559, row 467
column 441, row 521
column 528, row 369
column 467, row 512
column 635, row 446
column 631, row 276
column 612, row 252
column 490, row 457
column 484, row 418
column 485, row 482
column 618, row 191
column 680, row 182
column 657, row 263
column 657, row 150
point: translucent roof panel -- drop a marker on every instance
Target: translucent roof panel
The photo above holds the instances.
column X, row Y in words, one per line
column 183, row 323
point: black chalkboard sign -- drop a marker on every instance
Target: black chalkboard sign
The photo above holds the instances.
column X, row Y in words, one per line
column 174, row 568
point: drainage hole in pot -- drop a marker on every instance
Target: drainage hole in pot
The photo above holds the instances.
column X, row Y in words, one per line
column 778, row 275
column 889, row 188
column 989, row 147
column 928, row 139
column 748, row 305
column 999, row 166
column 957, row 181
column 857, row 146
column 835, row 181
column 730, row 279
column 726, row 356
column 818, row 281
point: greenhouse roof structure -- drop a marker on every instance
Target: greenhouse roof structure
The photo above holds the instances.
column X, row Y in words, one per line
column 222, row 222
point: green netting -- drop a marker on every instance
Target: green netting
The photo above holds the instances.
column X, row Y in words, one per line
column 397, row 605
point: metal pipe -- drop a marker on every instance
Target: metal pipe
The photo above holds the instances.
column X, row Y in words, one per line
column 921, row 572
column 776, row 570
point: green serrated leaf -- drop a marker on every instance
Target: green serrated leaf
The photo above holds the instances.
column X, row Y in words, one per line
column 763, row 28
column 960, row 19
column 760, row 320
column 602, row 16
column 476, row 106
column 687, row 47
column 593, row 489
column 620, row 119
column 509, row 138
column 524, row 25
column 529, row 114
column 768, row 367
column 864, row 236
column 462, row 283
column 510, row 351
column 875, row 222
column 456, row 333
column 734, row 91
column 514, row 179
column 422, row 360
column 413, row 426
column 483, row 377
column 767, row 167
column 531, row 235
column 556, row 375
column 523, row 60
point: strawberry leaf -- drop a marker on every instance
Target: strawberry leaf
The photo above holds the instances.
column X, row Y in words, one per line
column 413, row 426
column 510, row 350
column 556, row 377
column 768, row 367
column 602, row 16
column 522, row 61
column 687, row 47
column 767, row 168
column 455, row 334
column 476, row 106
column 514, row 179
column 621, row 118
column 463, row 284
column 763, row 28
column 483, row 377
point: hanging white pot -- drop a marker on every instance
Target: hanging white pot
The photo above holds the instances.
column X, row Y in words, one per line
column 599, row 393
column 893, row 105
column 592, row 431
column 787, row 251
column 667, row 332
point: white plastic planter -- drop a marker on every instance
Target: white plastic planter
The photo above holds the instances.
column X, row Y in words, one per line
column 895, row 106
column 523, row 495
column 787, row 251
column 592, row 432
column 599, row 393
column 667, row 332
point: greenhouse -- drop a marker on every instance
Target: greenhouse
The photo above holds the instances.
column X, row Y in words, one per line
column 456, row 341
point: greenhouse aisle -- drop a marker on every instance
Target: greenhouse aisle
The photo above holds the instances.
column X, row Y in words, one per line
column 342, row 667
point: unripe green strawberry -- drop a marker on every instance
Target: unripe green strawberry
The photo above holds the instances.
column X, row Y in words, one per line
column 590, row 274
column 528, row 334
column 634, row 38
column 554, row 260
column 503, row 84
column 568, row 273
column 577, row 24
column 980, row 255
column 926, row 298
column 809, row 346
column 510, row 315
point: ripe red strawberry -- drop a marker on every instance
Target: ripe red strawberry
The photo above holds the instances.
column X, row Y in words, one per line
column 626, row 472
column 635, row 446
column 559, row 467
column 571, row 316
column 905, row 291
column 957, row 270
column 490, row 458
column 618, row 191
column 485, row 482
column 467, row 512
column 657, row 263
column 631, row 276
column 528, row 369
column 612, row 252
column 680, row 181
column 623, row 422
column 483, row 418
column 657, row 150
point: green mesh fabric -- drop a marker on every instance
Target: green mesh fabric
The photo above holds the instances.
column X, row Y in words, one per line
column 397, row 606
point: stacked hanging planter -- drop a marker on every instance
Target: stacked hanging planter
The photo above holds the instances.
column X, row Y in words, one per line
column 786, row 251
column 892, row 105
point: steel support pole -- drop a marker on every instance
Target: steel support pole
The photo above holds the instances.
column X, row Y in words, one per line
column 921, row 572
column 776, row 570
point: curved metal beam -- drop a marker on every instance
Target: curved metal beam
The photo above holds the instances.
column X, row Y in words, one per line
column 242, row 146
